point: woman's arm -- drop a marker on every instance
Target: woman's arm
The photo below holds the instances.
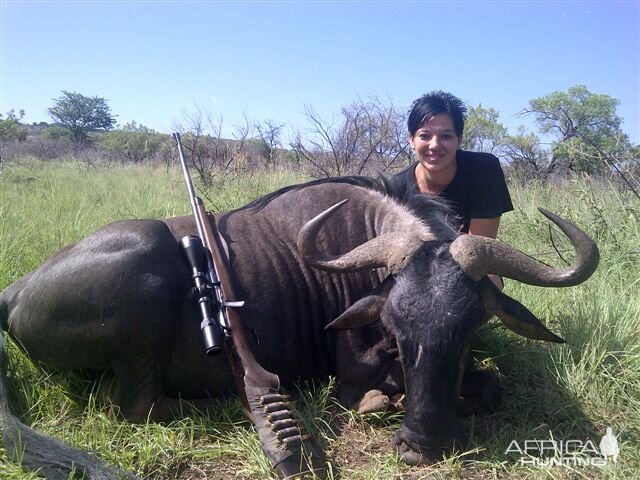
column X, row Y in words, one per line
column 487, row 227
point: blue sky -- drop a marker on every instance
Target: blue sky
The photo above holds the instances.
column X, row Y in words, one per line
column 154, row 60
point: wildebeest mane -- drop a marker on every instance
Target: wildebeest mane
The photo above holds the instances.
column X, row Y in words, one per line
column 420, row 205
column 370, row 183
column 435, row 211
column 432, row 210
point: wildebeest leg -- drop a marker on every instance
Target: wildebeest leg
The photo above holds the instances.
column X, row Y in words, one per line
column 134, row 391
column 368, row 369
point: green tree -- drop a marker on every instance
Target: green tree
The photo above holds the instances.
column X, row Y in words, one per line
column 132, row 142
column 11, row 127
column 524, row 155
column 81, row 114
column 588, row 136
column 482, row 131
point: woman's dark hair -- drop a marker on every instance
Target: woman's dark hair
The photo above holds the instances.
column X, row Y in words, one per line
column 435, row 103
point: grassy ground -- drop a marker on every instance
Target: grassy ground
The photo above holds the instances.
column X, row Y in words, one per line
column 552, row 392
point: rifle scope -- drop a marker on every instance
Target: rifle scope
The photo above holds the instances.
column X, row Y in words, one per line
column 208, row 303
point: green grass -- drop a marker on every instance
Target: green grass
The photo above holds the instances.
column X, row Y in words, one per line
column 563, row 392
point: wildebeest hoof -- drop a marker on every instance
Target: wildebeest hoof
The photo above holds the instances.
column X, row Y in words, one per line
column 376, row 401
column 397, row 401
column 372, row 401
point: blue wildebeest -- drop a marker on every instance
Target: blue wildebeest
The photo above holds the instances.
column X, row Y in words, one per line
column 402, row 289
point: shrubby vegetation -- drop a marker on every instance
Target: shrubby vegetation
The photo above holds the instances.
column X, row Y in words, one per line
column 367, row 137
column 132, row 143
column 11, row 128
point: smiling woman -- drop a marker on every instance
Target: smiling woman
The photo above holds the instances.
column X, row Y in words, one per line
column 472, row 183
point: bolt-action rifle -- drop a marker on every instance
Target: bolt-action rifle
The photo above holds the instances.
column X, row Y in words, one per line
column 290, row 453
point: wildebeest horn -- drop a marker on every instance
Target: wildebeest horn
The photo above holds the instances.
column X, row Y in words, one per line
column 392, row 250
column 479, row 256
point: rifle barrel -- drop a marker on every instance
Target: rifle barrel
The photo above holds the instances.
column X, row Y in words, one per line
column 194, row 200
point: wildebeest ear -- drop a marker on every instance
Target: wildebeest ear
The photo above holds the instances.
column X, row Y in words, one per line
column 515, row 316
column 363, row 312
column 366, row 310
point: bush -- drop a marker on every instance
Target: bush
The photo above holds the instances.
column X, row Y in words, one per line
column 132, row 143
column 56, row 132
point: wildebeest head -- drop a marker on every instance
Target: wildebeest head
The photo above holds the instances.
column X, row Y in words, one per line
column 436, row 294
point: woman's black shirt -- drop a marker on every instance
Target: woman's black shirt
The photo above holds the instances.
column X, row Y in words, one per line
column 478, row 189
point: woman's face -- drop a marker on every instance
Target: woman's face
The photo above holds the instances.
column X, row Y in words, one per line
column 436, row 143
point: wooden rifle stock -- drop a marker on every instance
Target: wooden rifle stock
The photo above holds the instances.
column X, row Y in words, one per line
column 252, row 371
